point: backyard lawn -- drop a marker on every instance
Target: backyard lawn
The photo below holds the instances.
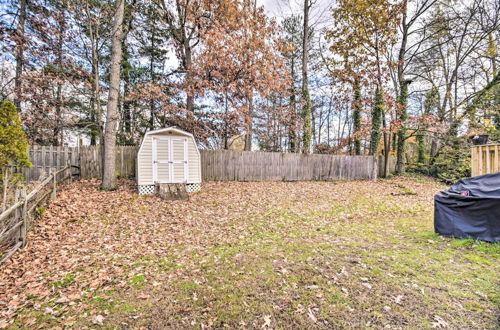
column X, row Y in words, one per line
column 250, row 255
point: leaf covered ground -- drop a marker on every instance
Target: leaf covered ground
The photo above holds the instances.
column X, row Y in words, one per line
column 250, row 255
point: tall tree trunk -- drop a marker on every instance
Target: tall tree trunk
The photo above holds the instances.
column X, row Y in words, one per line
column 189, row 74
column 387, row 148
column 403, row 93
column 153, row 79
column 377, row 113
column 306, row 110
column 249, row 119
column 226, row 126
column 356, row 117
column 95, row 117
column 292, row 131
column 403, row 101
column 127, row 111
column 20, row 53
column 57, row 134
column 109, row 166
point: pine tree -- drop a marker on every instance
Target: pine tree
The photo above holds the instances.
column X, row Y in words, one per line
column 13, row 144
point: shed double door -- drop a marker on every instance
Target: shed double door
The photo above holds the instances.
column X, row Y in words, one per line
column 170, row 162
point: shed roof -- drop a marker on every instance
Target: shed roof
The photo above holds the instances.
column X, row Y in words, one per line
column 169, row 129
column 163, row 130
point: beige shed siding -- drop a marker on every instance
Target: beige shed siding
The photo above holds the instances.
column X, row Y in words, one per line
column 193, row 163
column 145, row 160
column 162, row 149
column 178, row 155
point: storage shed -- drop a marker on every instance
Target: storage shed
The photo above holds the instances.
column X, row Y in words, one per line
column 168, row 155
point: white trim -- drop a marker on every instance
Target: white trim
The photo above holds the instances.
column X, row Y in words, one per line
column 186, row 161
column 170, row 160
column 155, row 158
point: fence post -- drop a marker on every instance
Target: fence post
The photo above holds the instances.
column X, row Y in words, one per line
column 70, row 171
column 24, row 226
column 17, row 213
column 54, row 184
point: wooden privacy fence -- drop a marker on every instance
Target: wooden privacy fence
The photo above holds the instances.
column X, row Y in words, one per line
column 225, row 165
column 17, row 219
column 91, row 161
column 49, row 158
column 217, row 165
column 485, row 159
column 222, row 165
column 391, row 165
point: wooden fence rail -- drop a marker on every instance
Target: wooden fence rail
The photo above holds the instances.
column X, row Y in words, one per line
column 17, row 219
column 485, row 159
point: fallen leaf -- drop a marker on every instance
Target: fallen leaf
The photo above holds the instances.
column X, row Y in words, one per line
column 97, row 319
column 267, row 321
column 440, row 323
column 143, row 296
column 312, row 316
column 62, row 300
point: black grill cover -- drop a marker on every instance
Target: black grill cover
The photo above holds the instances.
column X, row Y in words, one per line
column 470, row 209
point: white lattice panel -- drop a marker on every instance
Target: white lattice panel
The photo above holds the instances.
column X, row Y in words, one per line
column 193, row 187
column 147, row 189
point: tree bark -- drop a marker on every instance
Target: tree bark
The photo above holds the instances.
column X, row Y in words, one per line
column 189, row 75
column 377, row 114
column 292, row 130
column 249, row 134
column 95, row 117
column 20, row 53
column 306, row 111
column 58, row 130
column 356, row 117
column 403, row 101
column 403, row 94
column 109, row 166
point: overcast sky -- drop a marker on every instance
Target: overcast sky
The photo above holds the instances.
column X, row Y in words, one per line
column 278, row 9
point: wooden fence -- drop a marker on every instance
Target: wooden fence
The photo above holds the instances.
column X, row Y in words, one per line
column 49, row 158
column 91, row 161
column 391, row 165
column 485, row 159
column 18, row 218
column 222, row 165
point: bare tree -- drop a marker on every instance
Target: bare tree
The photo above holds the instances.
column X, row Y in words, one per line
column 109, row 175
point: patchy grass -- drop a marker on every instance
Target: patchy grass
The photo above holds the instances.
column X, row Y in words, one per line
column 280, row 255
